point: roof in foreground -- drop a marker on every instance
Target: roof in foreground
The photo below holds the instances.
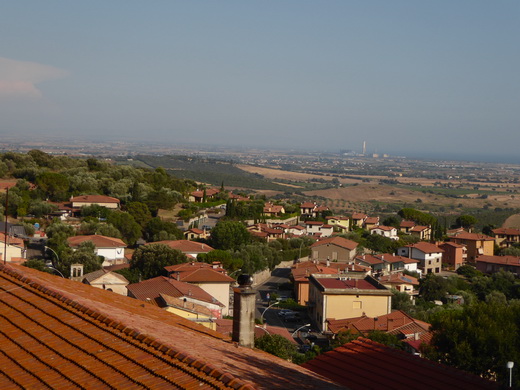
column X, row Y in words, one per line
column 57, row 333
column 365, row 364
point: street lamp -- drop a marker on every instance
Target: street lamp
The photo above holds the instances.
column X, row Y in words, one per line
column 54, row 269
column 271, row 305
column 53, row 251
column 303, row 326
column 510, row 366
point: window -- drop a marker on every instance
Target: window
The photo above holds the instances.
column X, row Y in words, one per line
column 356, row 305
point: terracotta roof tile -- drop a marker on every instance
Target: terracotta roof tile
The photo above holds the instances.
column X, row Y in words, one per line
column 426, row 247
column 59, row 333
column 94, row 199
column 365, row 364
column 98, row 240
column 339, row 241
column 152, row 289
column 185, row 246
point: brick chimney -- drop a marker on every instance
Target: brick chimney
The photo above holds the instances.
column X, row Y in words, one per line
column 244, row 312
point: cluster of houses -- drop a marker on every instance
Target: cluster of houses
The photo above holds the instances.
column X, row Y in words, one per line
column 337, row 281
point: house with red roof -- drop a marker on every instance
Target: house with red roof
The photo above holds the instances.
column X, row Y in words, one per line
column 476, row 244
column 357, row 220
column 406, row 225
column 424, row 233
column 397, row 323
column 106, row 280
column 155, row 290
column 189, row 248
column 111, row 248
column 198, row 196
column 454, row 254
column 370, row 223
column 386, row 263
column 506, row 237
column 14, row 248
column 300, row 273
column 401, row 282
column 334, row 249
column 54, row 324
column 318, row 229
column 385, row 231
column 212, row 278
column 339, row 223
column 273, row 210
column 341, row 296
column 492, row 264
column 99, row 200
column 429, row 255
column 364, row 364
column 195, row 234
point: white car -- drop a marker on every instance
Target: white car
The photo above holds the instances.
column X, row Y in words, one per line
column 285, row 312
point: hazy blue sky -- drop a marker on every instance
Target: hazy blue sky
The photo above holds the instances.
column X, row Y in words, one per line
column 406, row 76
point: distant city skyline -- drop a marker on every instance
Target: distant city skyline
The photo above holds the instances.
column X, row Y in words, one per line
column 431, row 79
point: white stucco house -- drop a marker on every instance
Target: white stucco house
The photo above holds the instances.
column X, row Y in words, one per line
column 429, row 255
column 112, row 249
column 385, row 231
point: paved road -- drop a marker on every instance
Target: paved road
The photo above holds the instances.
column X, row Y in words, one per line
column 270, row 286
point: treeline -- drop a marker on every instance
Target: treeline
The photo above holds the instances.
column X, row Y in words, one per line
column 43, row 177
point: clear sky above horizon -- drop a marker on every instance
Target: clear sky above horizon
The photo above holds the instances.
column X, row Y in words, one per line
column 407, row 77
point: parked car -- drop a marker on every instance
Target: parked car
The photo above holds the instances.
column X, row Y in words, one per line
column 285, row 312
column 292, row 317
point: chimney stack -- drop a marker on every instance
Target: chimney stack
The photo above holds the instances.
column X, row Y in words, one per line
column 244, row 312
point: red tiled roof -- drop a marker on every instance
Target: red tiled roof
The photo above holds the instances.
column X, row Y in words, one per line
column 453, row 244
column 407, row 224
column 196, row 231
column 98, row 240
column 426, row 247
column 359, row 216
column 388, row 258
column 151, row 290
column 339, row 241
column 11, row 240
column 370, row 259
column 68, row 334
column 205, row 275
column 209, row 192
column 185, row 246
column 399, row 278
column 472, row 237
column 301, row 273
column 336, row 283
column 364, row 364
column 307, row 205
column 94, row 199
column 418, row 228
column 183, row 267
column 385, row 323
column 504, row 260
column 383, row 227
column 507, row 231
column 371, row 220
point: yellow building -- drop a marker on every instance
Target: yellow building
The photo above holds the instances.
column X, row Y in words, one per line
column 336, row 296
column 476, row 244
